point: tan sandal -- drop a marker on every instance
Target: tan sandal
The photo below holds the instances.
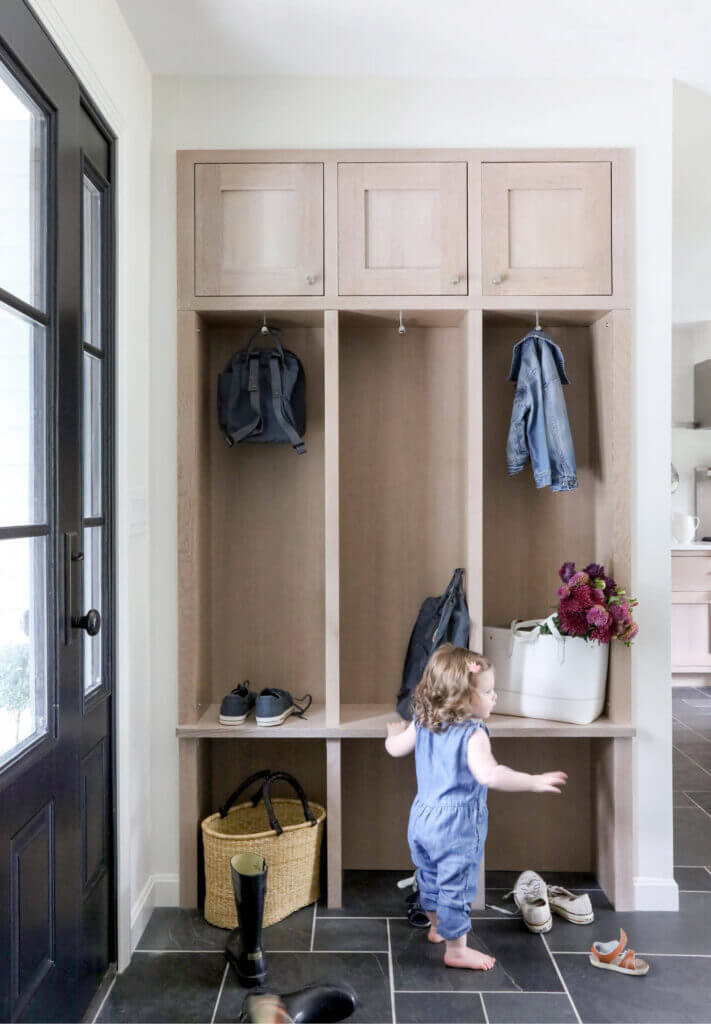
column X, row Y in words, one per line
column 612, row 956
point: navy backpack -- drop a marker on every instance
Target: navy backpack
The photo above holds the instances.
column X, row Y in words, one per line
column 261, row 396
column 443, row 619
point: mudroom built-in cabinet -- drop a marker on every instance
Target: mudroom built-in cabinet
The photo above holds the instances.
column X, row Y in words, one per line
column 306, row 572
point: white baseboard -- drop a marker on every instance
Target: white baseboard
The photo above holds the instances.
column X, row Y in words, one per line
column 656, row 894
column 159, row 891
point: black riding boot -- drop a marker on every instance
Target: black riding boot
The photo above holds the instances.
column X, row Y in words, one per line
column 244, row 946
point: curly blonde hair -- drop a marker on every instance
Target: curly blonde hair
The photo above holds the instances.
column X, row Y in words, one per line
column 446, row 692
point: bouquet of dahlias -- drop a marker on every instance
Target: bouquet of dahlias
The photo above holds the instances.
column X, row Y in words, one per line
column 591, row 605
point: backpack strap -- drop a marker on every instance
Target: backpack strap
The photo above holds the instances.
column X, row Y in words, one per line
column 281, row 413
column 256, row 420
column 447, row 607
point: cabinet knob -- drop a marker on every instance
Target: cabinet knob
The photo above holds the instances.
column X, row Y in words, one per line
column 455, row 279
column 310, row 279
column 496, row 279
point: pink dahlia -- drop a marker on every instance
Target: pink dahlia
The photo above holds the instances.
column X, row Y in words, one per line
column 563, row 592
column 620, row 611
column 573, row 622
column 603, row 634
column 578, row 578
column 597, row 616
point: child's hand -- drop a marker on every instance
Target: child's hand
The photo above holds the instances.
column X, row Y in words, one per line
column 549, row 782
column 394, row 728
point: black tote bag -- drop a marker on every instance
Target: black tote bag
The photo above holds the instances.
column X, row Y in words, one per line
column 443, row 619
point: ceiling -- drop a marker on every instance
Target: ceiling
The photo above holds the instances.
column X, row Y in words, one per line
column 439, row 38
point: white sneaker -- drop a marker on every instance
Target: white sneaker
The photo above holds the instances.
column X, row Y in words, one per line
column 530, row 894
column 577, row 909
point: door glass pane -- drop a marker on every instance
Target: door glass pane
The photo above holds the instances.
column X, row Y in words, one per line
column 92, row 599
column 22, row 421
column 23, row 645
column 92, row 435
column 91, row 270
column 23, row 144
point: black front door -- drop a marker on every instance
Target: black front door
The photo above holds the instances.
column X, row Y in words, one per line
column 57, row 886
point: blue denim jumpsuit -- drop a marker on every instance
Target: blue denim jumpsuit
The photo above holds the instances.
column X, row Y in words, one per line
column 448, row 825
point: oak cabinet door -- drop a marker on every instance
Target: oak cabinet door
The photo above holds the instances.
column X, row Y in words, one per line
column 259, row 229
column 402, row 229
column 547, row 228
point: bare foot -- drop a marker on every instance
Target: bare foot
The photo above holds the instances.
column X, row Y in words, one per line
column 434, row 936
column 463, row 956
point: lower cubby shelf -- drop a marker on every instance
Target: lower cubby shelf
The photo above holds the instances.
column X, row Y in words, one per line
column 368, row 721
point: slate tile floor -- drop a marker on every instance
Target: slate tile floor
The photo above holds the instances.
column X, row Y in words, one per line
column 178, row 972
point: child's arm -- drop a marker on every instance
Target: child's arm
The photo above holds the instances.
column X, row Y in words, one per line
column 401, row 739
column 485, row 770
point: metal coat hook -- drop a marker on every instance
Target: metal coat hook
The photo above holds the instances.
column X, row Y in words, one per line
column 538, row 321
column 401, row 326
column 264, row 329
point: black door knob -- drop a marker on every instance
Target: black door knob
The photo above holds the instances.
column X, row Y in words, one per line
column 91, row 622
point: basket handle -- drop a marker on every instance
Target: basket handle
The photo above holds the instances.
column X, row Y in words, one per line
column 241, row 788
column 266, row 793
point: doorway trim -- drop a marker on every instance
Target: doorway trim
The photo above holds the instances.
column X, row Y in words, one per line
column 125, row 522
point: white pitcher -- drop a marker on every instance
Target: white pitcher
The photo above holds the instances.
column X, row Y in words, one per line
column 684, row 527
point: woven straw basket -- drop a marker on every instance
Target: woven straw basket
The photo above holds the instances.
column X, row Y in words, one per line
column 293, row 856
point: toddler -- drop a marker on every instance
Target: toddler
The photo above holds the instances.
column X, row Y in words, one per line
column 455, row 768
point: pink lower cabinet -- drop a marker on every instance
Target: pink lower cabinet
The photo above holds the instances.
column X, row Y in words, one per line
column 691, row 612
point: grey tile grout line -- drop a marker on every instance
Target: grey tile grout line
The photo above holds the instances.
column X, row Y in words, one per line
column 483, row 1007
column 363, row 917
column 700, row 766
column 391, row 973
column 696, row 804
column 313, row 930
column 101, row 1005
column 217, row 949
column 561, row 979
column 639, row 952
column 690, row 728
column 473, row 992
column 219, row 994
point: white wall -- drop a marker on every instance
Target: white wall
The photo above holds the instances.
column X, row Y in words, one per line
column 96, row 42
column 691, row 295
column 299, row 112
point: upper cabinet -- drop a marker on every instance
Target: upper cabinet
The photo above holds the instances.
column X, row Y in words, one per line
column 402, row 228
column 546, row 228
column 259, row 229
column 489, row 229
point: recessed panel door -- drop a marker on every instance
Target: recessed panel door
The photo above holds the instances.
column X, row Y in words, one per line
column 259, row 229
column 402, row 229
column 57, row 895
column 547, row 228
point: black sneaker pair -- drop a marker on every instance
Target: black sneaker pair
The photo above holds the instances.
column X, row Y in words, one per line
column 273, row 706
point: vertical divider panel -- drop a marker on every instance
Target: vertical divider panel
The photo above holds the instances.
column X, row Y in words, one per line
column 331, row 514
column 333, row 822
column 193, row 530
column 330, row 225
column 475, row 479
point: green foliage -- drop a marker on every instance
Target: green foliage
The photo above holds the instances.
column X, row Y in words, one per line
column 15, row 677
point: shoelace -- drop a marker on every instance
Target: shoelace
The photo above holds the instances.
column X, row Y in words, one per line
column 531, row 891
column 301, row 712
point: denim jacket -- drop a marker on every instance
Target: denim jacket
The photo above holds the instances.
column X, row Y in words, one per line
column 539, row 420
